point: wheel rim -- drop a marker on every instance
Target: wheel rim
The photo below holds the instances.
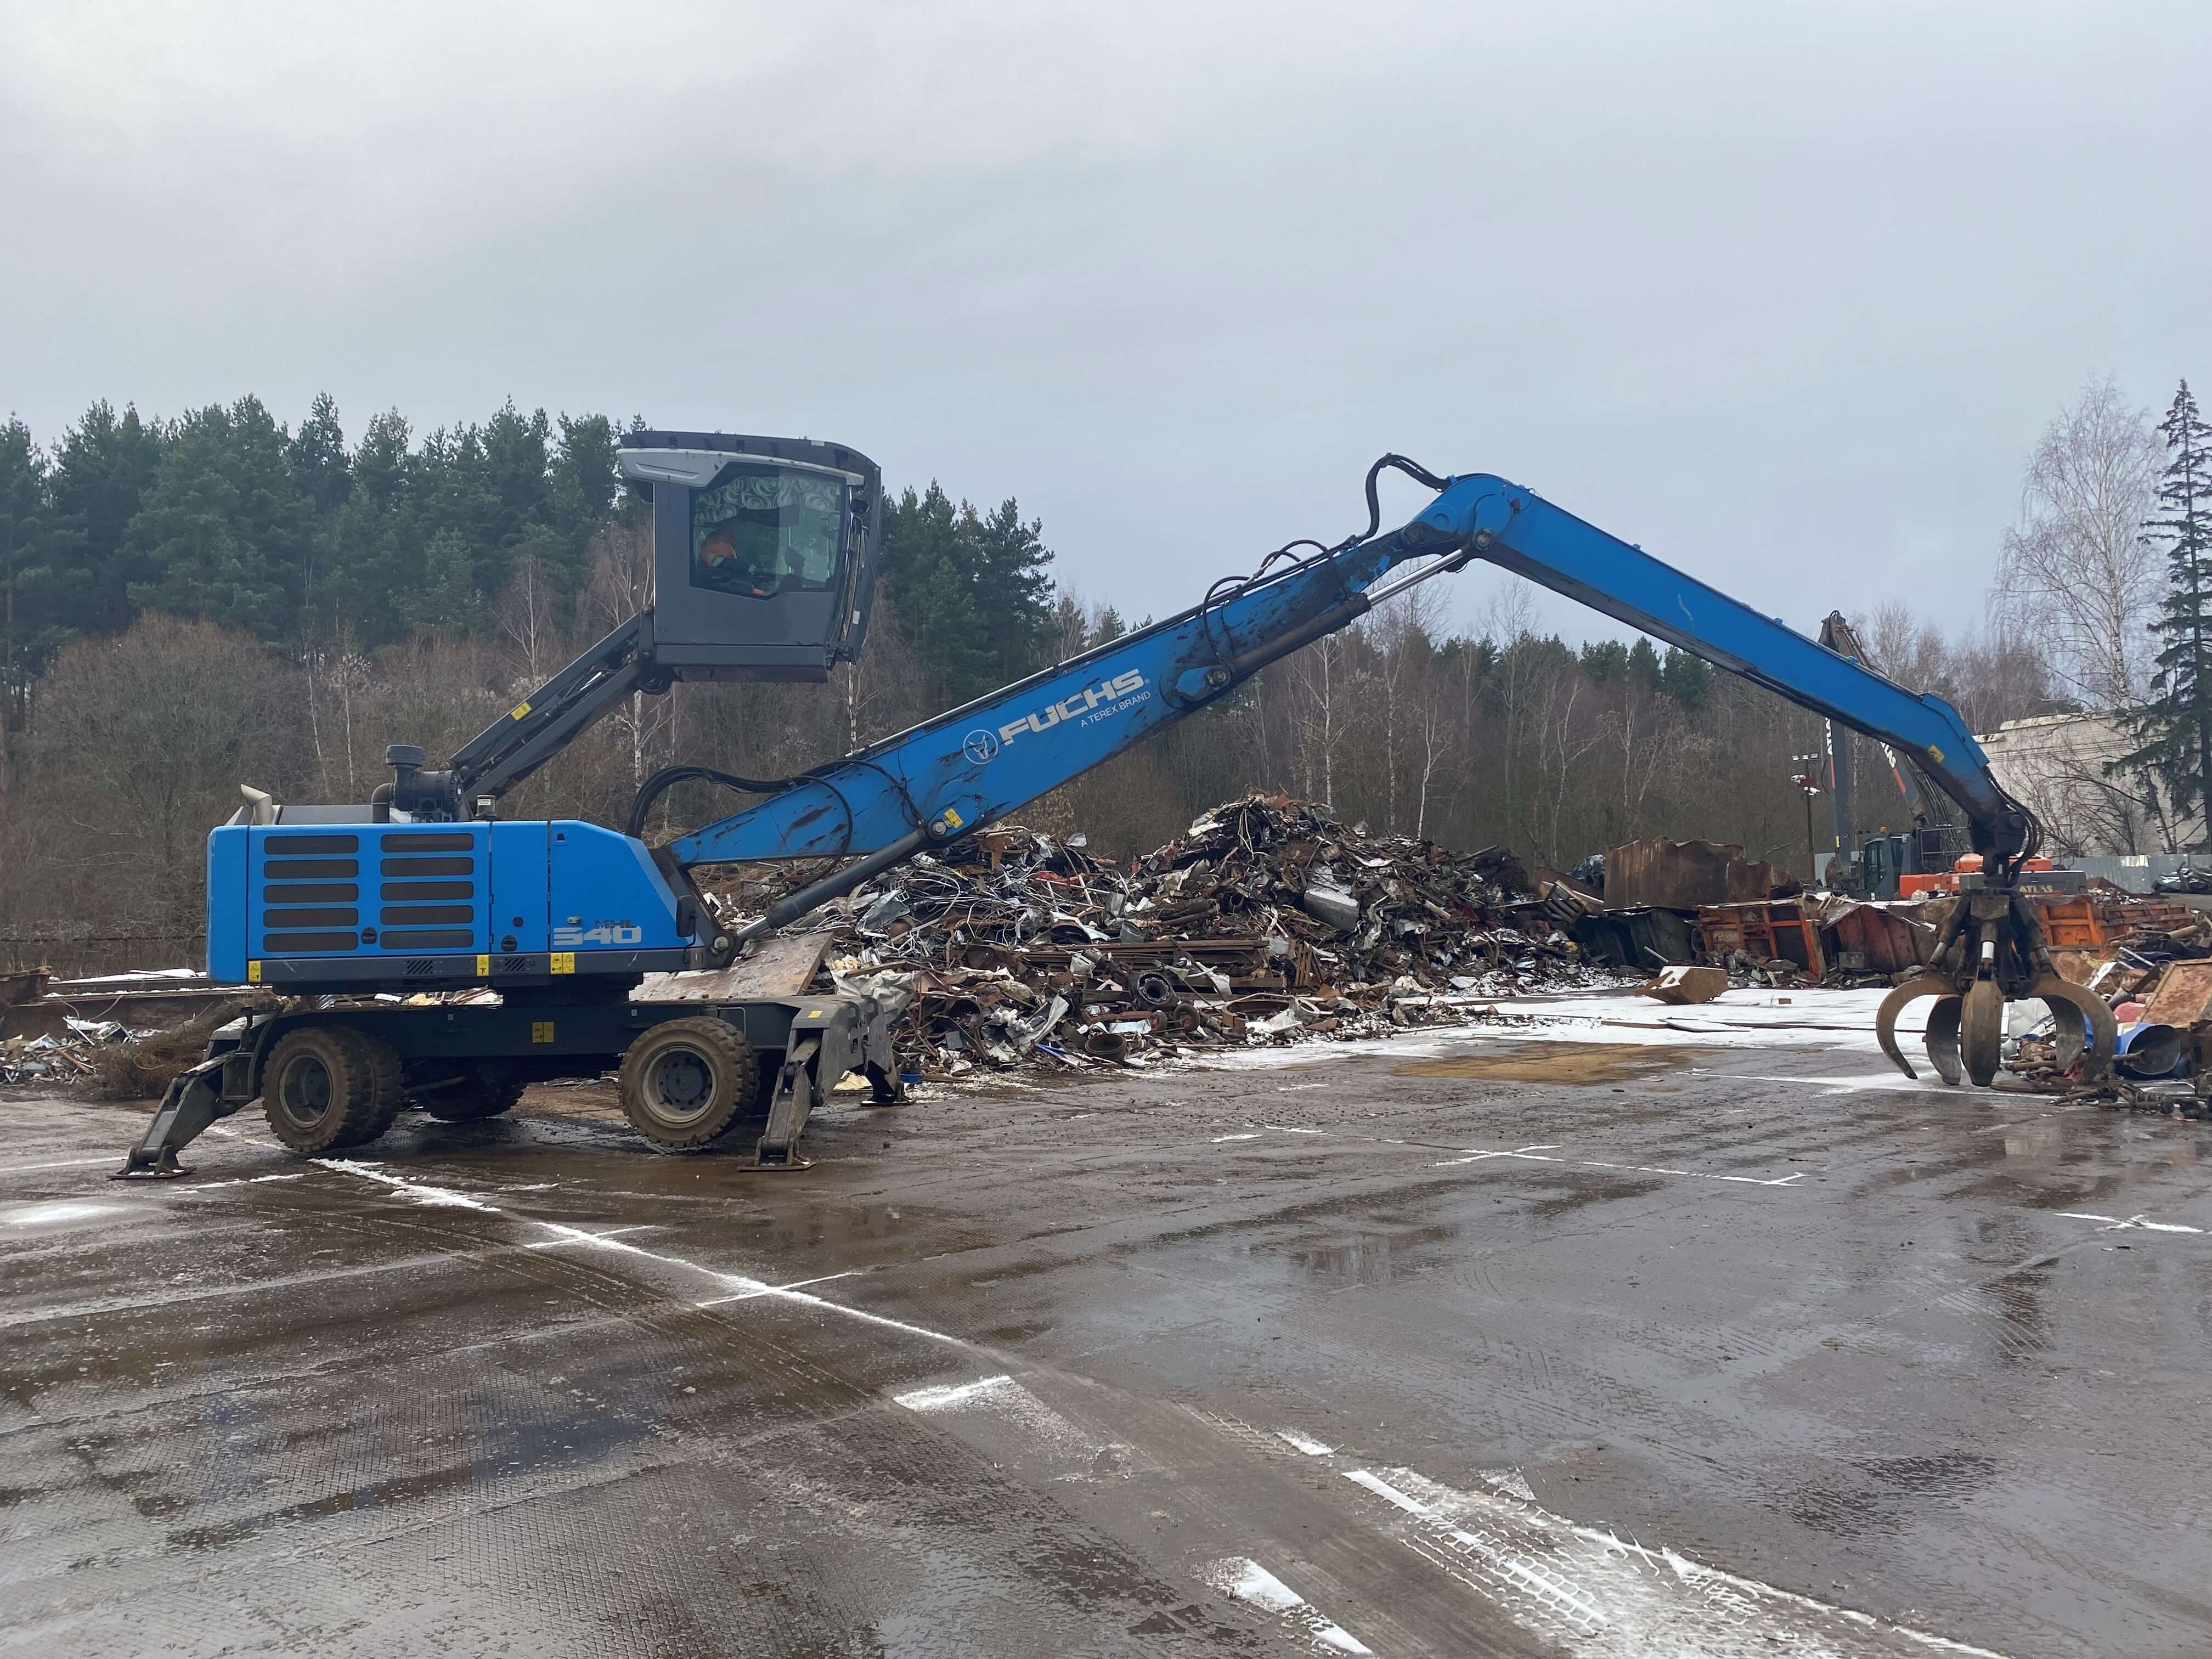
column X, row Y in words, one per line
column 680, row 1086
column 306, row 1090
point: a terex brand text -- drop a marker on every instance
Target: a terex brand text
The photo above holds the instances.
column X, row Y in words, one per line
column 1068, row 709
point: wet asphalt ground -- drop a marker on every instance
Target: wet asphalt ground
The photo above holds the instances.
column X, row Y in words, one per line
column 1465, row 1346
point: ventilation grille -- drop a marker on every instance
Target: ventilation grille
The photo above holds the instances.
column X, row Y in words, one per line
column 401, row 891
column 310, row 894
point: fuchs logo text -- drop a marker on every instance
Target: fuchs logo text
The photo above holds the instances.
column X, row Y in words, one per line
column 1113, row 691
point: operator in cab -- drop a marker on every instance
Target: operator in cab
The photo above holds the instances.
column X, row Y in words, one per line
column 762, row 531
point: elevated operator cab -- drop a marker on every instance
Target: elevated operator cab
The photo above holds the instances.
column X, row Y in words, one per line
column 764, row 552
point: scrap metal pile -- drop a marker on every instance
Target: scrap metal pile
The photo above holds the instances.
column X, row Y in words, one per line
column 1266, row 921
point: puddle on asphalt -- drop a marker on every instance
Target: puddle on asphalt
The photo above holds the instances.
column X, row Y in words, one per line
column 1371, row 1258
column 1559, row 1062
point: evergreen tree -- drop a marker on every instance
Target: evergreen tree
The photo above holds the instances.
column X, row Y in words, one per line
column 2173, row 730
column 517, row 457
column 27, row 634
column 972, row 592
column 367, row 572
column 1017, row 589
column 447, row 600
column 585, row 493
column 928, row 570
column 317, row 455
column 1603, row 661
column 1686, row 676
column 1644, row 666
column 225, row 529
column 103, row 467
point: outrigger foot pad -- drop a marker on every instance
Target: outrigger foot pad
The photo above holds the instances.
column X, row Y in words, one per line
column 194, row 1101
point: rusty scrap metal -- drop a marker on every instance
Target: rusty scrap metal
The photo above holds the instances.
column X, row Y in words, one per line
column 1266, row 921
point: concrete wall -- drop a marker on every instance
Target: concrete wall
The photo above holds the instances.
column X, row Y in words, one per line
column 2055, row 764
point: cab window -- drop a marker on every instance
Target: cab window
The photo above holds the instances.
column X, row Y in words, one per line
column 759, row 531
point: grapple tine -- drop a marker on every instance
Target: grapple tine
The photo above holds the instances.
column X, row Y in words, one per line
column 2069, row 1031
column 2103, row 1031
column 1943, row 1039
column 1885, row 1019
column 1982, row 1030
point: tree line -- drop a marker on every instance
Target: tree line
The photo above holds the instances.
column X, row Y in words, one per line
column 191, row 604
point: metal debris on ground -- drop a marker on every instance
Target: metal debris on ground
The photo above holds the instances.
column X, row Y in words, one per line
column 1267, row 921
column 51, row 1058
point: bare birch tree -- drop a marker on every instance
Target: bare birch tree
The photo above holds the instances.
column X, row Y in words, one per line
column 2075, row 577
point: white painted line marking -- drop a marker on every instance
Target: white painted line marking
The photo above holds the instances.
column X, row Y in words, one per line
column 740, row 1282
column 1535, row 1155
column 1241, row 1576
column 1557, row 1594
column 952, row 1394
column 1294, row 1088
column 1892, row 1084
column 43, row 1215
column 1002, row 1400
column 604, row 1232
column 1299, row 1442
column 1476, row 1155
column 2114, row 1224
column 796, row 1285
column 438, row 1197
column 171, row 1296
column 754, row 1286
column 242, row 1181
column 1286, row 1129
column 1254, row 1135
column 61, row 1163
column 1595, row 1594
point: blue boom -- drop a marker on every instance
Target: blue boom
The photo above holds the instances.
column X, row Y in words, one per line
column 977, row 763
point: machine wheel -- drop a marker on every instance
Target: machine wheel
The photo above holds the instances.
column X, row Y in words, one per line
column 686, row 1082
column 318, row 1090
column 379, row 1063
column 472, row 1098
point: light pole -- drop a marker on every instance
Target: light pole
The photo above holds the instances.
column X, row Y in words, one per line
column 1808, row 781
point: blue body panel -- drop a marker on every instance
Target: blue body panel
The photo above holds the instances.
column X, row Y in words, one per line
column 226, row 906
column 449, row 893
column 605, row 893
column 519, row 874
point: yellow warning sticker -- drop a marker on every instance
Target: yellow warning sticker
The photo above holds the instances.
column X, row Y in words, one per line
column 952, row 818
column 517, row 711
column 541, row 1030
column 564, row 961
column 253, row 973
column 1934, row 753
column 483, row 967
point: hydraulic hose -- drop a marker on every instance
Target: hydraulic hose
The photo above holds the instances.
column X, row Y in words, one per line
column 668, row 777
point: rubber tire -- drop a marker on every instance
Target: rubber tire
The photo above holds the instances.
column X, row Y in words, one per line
column 731, row 1071
column 386, row 1093
column 473, row 1100
column 347, row 1078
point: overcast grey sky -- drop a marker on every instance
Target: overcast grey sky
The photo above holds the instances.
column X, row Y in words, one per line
column 1783, row 292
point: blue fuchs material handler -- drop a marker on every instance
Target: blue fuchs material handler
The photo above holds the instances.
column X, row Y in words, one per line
column 765, row 554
